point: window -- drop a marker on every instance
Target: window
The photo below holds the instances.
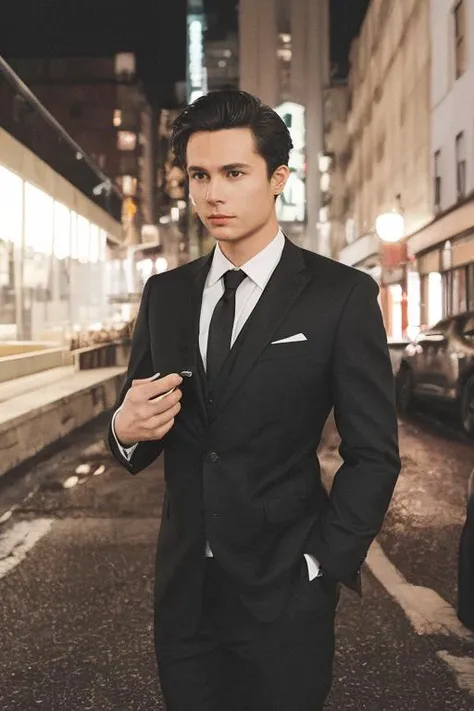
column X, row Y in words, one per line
column 117, row 117
column 470, row 287
column 460, row 38
column 437, row 180
column 455, row 291
column 460, row 165
column 128, row 184
column 468, row 331
column 127, row 140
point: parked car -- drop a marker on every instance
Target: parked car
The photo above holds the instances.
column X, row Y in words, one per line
column 438, row 367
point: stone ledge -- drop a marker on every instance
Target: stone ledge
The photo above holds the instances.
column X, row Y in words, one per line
column 34, row 420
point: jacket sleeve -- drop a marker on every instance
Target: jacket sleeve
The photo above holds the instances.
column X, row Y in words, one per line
column 140, row 366
column 365, row 415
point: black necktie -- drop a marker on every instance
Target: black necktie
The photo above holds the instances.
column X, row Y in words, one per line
column 222, row 323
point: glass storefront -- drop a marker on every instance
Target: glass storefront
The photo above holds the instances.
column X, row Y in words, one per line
column 470, row 287
column 52, row 265
column 458, row 290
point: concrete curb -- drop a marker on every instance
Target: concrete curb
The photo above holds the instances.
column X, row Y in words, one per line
column 36, row 420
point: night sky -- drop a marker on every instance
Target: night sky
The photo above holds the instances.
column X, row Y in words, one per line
column 154, row 29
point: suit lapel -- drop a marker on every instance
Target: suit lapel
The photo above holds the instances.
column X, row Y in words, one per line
column 285, row 285
column 187, row 308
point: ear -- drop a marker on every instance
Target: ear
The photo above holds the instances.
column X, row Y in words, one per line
column 279, row 178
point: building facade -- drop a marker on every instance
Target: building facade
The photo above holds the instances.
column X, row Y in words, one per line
column 334, row 212
column 390, row 147
column 101, row 104
column 221, row 59
column 56, row 251
column 444, row 249
column 284, row 60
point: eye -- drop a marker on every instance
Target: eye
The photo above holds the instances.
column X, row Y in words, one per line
column 235, row 173
column 198, row 175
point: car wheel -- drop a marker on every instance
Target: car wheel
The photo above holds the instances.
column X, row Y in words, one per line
column 467, row 407
column 404, row 390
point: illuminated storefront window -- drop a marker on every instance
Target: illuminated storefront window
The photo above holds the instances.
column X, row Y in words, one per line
column 94, row 244
column 11, row 206
column 196, row 71
column 291, row 205
column 435, row 298
column 11, row 225
column 62, row 231
column 52, row 265
column 38, row 221
column 83, row 237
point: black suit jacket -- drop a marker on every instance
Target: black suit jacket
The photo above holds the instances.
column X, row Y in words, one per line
column 241, row 468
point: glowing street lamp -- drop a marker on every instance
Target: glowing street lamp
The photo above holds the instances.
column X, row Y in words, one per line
column 390, row 226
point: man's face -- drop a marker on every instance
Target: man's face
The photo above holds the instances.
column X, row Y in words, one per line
column 229, row 184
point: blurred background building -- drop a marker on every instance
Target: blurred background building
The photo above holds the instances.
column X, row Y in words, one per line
column 444, row 249
column 382, row 170
column 59, row 233
column 333, row 164
column 102, row 105
column 221, row 57
column 284, row 59
column 408, row 190
column 388, row 166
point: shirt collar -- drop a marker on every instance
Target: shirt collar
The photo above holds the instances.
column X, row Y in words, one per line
column 259, row 268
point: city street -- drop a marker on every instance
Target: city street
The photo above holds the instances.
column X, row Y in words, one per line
column 76, row 565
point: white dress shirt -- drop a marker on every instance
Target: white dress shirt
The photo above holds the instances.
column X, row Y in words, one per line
column 259, row 269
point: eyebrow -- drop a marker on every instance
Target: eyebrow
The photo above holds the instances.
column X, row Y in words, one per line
column 223, row 168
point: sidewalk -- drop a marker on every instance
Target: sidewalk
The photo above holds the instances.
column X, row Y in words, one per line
column 39, row 409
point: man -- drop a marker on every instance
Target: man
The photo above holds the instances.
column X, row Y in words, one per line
column 465, row 604
column 251, row 549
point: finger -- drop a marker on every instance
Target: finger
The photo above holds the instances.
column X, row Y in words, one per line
column 143, row 381
column 162, row 402
column 143, row 412
column 160, row 429
column 150, row 389
column 163, row 409
column 163, row 395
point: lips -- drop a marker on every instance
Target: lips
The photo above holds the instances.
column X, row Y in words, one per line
column 220, row 219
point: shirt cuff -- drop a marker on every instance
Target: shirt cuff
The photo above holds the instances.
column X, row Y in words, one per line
column 126, row 452
column 314, row 569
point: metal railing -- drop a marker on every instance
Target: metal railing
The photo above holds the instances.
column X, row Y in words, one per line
column 24, row 116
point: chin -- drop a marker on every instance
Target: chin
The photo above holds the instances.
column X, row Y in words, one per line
column 222, row 233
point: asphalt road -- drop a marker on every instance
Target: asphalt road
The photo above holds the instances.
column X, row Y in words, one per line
column 76, row 568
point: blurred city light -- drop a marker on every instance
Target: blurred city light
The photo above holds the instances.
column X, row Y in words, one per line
column 390, row 226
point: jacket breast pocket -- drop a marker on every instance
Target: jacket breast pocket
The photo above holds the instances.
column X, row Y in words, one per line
column 286, row 351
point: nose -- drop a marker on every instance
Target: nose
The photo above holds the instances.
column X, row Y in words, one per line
column 213, row 192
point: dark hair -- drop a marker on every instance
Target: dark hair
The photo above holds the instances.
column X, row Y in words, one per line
column 231, row 108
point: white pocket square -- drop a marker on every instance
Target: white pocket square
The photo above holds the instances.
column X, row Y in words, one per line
column 291, row 339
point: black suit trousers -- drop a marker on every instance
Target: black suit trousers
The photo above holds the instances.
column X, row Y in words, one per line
column 233, row 662
column 466, row 569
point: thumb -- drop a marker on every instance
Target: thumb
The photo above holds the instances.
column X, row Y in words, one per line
column 144, row 381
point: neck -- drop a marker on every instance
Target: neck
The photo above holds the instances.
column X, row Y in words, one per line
column 242, row 250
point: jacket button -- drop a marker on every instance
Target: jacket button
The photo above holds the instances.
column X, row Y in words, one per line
column 213, row 456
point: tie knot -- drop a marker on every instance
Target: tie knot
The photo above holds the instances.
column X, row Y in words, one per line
column 233, row 278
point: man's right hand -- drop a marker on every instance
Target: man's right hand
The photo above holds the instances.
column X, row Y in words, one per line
column 141, row 418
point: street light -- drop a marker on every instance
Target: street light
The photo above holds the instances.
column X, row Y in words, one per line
column 390, row 226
